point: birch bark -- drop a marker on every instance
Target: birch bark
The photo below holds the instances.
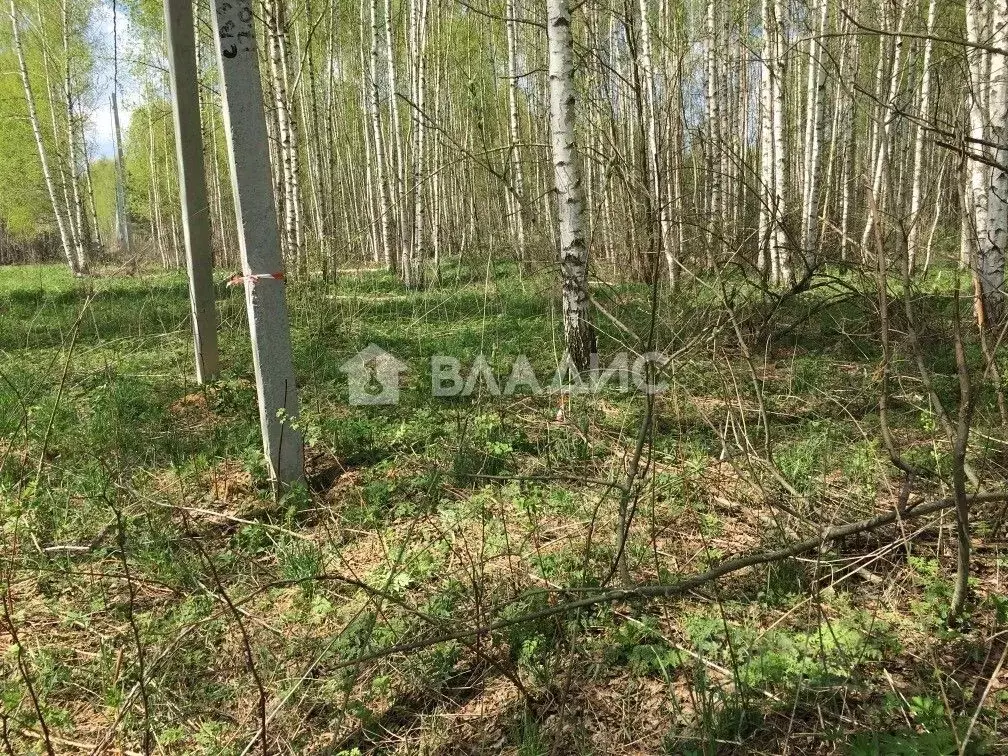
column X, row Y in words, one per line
column 514, row 131
column 659, row 217
column 781, row 255
column 924, row 112
column 83, row 235
column 978, row 170
column 578, row 330
column 714, row 145
column 286, row 130
column 814, row 129
column 990, row 268
column 61, row 222
column 412, row 267
column 767, row 206
column 384, row 206
column 121, row 217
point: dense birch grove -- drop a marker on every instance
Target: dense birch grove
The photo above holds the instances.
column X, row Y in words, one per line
column 616, row 376
column 770, row 137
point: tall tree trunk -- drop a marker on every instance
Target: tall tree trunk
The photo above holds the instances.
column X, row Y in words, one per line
column 308, row 107
column 814, row 128
column 60, row 167
column 395, row 136
column 887, row 115
column 157, row 227
column 976, row 32
column 121, row 216
column 381, row 180
column 781, row 253
column 658, row 219
column 848, row 122
column 83, row 234
column 767, row 210
column 286, row 131
column 924, row 112
column 773, row 162
column 413, row 265
column 92, row 206
column 714, row 145
column 578, row 330
column 514, row 131
column 990, row 271
column 61, row 222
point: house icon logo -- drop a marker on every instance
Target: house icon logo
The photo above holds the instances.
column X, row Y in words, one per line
column 373, row 376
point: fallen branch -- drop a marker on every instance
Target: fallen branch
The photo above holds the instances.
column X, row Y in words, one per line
column 75, row 744
column 829, row 535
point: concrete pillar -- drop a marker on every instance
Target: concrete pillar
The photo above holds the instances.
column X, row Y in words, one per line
column 258, row 237
column 192, row 184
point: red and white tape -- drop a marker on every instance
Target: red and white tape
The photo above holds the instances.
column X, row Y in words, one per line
column 239, row 280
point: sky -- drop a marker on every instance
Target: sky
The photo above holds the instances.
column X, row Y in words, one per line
column 100, row 134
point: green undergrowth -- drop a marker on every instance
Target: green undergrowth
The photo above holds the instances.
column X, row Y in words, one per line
column 140, row 529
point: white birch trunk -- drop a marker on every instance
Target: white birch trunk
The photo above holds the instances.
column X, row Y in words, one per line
column 82, row 236
column 121, row 217
column 781, row 272
column 395, row 135
column 924, row 112
column 92, row 206
column 413, row 267
column 659, row 215
column 157, row 227
column 514, row 131
column 61, row 222
column 990, row 270
column 814, row 128
column 767, row 206
column 888, row 115
column 578, row 331
column 978, row 170
column 286, row 130
column 381, row 180
column 714, row 146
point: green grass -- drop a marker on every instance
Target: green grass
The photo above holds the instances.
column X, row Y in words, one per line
column 438, row 514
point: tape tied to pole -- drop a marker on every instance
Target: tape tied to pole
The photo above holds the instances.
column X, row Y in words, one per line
column 239, row 280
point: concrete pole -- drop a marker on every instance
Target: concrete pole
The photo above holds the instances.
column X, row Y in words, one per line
column 192, row 184
column 258, row 237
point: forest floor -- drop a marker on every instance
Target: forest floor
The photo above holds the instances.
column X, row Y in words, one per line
column 163, row 600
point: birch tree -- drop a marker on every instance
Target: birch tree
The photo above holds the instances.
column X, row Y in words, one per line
column 287, row 137
column 924, row 112
column 412, row 268
column 656, row 217
column 979, row 182
column 62, row 223
column 80, row 220
column 773, row 178
column 517, row 196
column 381, row 180
column 814, row 130
column 578, row 330
column 990, row 268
